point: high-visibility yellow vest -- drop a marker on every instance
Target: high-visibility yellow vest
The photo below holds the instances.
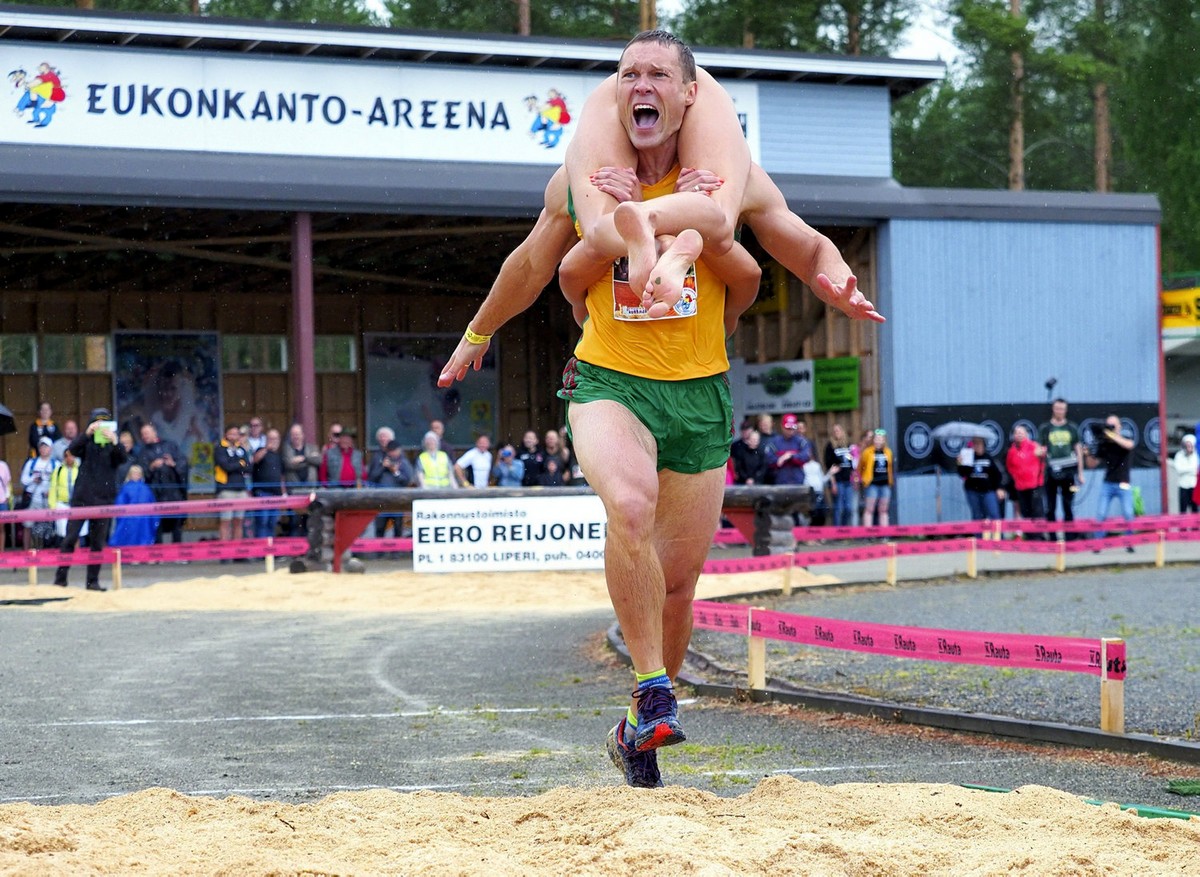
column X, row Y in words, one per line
column 436, row 467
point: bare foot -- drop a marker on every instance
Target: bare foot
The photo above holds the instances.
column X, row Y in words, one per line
column 665, row 286
column 634, row 227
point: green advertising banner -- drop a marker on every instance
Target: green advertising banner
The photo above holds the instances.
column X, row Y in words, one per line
column 798, row 386
column 835, row 384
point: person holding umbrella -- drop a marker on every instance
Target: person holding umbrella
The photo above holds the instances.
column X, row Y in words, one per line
column 100, row 456
column 982, row 479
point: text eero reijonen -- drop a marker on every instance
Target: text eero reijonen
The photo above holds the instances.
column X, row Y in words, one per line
column 452, row 533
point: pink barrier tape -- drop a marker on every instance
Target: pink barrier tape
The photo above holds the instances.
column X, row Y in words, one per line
column 250, row 549
column 395, row 544
column 762, row 563
column 1070, row 654
column 727, row 618
column 978, row 528
column 938, row 546
column 729, row 536
column 801, row 558
column 951, row 528
column 1090, row 525
column 158, row 509
column 843, row 555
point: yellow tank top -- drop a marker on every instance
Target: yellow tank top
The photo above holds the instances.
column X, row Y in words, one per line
column 674, row 348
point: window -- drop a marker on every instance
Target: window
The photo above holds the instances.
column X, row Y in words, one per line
column 335, row 353
column 254, row 353
column 75, row 353
column 18, row 353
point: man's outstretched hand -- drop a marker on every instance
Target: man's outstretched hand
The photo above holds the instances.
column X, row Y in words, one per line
column 847, row 299
column 464, row 356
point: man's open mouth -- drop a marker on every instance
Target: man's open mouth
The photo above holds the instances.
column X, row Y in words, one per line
column 644, row 116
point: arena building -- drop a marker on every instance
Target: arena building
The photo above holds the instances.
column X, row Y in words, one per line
column 209, row 219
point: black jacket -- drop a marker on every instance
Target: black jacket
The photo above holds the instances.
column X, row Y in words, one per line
column 96, row 483
column 168, row 483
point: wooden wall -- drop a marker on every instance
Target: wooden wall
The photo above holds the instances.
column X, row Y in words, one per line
column 810, row 329
column 532, row 350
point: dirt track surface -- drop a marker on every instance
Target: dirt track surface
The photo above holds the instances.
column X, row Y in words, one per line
column 349, row 738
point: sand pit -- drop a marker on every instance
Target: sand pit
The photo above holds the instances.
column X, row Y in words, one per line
column 281, row 591
column 783, row 826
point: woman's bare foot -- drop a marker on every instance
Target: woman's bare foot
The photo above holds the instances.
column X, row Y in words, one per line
column 633, row 224
column 665, row 286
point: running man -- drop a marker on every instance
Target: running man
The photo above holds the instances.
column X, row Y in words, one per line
column 649, row 393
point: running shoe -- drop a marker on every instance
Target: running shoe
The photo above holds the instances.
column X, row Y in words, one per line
column 658, row 722
column 640, row 768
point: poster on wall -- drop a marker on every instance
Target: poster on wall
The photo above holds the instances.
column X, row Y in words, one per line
column 172, row 380
column 402, row 390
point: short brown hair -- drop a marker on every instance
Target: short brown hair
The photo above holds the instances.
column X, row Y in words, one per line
column 687, row 61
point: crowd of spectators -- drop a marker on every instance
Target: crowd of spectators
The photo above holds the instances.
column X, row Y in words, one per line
column 256, row 459
column 852, row 481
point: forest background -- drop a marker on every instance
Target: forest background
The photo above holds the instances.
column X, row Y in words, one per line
column 1052, row 95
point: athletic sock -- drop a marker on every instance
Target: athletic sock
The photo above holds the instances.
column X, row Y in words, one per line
column 652, row 679
column 656, row 678
column 630, row 727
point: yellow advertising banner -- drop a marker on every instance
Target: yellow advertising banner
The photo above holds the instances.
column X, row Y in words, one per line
column 1181, row 308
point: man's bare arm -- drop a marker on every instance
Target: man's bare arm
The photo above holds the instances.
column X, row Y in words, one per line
column 523, row 276
column 801, row 249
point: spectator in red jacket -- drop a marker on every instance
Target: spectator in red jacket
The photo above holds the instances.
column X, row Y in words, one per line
column 1026, row 464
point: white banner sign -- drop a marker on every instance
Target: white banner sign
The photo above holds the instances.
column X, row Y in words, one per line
column 65, row 96
column 778, row 386
column 514, row 533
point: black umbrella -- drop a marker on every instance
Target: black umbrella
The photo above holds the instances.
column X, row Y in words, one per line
column 7, row 424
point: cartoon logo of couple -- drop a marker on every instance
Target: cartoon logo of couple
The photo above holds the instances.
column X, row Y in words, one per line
column 43, row 93
column 549, row 118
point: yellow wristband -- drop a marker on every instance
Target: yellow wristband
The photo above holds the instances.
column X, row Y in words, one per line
column 475, row 338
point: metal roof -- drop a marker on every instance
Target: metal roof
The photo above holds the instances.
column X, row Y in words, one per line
column 190, row 34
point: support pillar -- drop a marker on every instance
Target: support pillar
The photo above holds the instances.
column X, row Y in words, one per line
column 303, row 362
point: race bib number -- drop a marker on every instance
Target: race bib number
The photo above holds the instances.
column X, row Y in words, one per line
column 627, row 304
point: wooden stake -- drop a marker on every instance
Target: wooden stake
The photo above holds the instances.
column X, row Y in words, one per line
column 756, row 665
column 891, row 564
column 787, row 574
column 1160, row 550
column 972, row 560
column 1112, row 693
column 33, row 570
column 270, row 558
column 116, row 571
column 1061, row 562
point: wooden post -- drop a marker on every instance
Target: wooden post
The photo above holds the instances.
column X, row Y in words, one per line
column 891, row 564
column 787, row 574
column 1112, row 693
column 1160, row 550
column 32, row 568
column 270, row 559
column 756, row 665
column 116, row 571
column 972, row 560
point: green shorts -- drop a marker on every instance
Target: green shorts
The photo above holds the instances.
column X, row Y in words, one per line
column 692, row 421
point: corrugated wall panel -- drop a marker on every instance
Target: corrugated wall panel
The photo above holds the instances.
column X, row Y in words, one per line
column 986, row 312
column 916, row 499
column 825, row 129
